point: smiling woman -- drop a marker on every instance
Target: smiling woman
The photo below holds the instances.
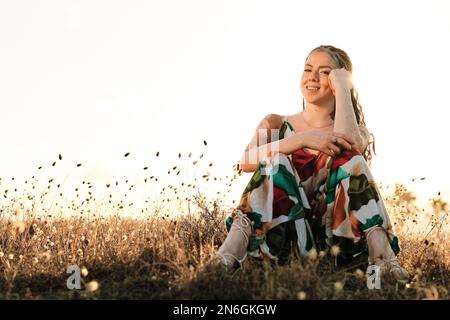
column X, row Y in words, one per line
column 312, row 185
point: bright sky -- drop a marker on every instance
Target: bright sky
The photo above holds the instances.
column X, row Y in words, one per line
column 95, row 79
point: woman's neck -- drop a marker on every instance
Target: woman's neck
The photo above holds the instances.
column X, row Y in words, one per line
column 318, row 116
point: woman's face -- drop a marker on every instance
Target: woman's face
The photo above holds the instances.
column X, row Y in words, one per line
column 314, row 82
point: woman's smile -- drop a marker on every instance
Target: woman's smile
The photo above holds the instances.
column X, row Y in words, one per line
column 312, row 89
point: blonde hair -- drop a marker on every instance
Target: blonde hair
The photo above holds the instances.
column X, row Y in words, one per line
column 342, row 60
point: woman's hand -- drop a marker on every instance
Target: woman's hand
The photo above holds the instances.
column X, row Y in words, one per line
column 330, row 143
column 340, row 79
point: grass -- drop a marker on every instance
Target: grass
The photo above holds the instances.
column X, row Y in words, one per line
column 159, row 256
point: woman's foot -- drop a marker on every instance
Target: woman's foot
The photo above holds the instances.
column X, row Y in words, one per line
column 382, row 255
column 393, row 267
column 233, row 251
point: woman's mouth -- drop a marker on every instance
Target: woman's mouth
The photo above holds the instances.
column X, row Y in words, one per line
column 312, row 88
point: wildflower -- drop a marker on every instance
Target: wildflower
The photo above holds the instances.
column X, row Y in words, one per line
column 2, row 254
column 84, row 271
column 20, row 226
column 301, row 295
column 419, row 271
column 335, row 250
column 312, row 254
column 321, row 254
column 10, row 256
column 338, row 286
column 35, row 260
column 359, row 273
column 92, row 286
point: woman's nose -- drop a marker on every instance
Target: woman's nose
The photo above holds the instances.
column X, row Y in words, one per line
column 313, row 76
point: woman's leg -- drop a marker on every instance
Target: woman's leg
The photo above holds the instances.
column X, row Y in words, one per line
column 382, row 255
column 355, row 210
column 233, row 251
column 272, row 197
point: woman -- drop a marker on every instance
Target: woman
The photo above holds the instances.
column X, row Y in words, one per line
column 312, row 182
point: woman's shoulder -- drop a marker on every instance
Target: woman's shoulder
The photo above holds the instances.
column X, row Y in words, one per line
column 272, row 121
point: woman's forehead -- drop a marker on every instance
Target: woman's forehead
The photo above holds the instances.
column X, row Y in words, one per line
column 319, row 58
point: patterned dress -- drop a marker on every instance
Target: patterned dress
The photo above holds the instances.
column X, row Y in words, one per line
column 310, row 201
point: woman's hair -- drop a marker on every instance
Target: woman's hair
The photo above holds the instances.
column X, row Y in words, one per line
column 342, row 60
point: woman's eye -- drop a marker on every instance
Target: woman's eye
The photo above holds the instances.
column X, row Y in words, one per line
column 307, row 70
column 326, row 72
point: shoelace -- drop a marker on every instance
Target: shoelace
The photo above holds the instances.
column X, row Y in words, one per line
column 223, row 255
column 391, row 263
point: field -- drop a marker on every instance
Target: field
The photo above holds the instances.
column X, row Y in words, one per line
column 159, row 256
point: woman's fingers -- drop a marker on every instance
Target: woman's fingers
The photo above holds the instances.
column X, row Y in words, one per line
column 342, row 142
column 330, row 84
column 331, row 149
column 329, row 152
column 350, row 140
column 335, row 148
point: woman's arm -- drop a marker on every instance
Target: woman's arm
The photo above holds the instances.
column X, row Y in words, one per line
column 345, row 118
column 365, row 136
column 261, row 145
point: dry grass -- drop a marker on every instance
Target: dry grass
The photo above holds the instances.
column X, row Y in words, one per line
column 163, row 257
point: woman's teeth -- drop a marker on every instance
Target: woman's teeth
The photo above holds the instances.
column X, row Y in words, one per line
column 312, row 88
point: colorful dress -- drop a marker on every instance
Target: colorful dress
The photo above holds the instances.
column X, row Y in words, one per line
column 310, row 201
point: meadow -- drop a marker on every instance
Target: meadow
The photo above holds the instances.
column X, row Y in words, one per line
column 158, row 255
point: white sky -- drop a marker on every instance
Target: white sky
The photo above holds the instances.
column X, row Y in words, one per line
column 95, row 79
